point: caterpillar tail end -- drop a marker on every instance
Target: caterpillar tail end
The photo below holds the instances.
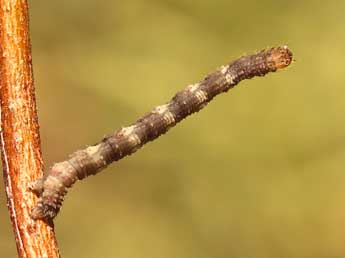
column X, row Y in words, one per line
column 44, row 212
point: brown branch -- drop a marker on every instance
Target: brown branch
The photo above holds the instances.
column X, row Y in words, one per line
column 20, row 141
column 126, row 141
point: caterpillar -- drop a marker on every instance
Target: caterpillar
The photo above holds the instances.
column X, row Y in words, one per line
column 52, row 187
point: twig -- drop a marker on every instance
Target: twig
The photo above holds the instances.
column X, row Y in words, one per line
column 52, row 188
column 20, row 141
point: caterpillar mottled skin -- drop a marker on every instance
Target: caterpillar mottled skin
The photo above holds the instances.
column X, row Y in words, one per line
column 52, row 188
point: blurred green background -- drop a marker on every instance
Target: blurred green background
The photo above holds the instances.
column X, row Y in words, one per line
column 258, row 173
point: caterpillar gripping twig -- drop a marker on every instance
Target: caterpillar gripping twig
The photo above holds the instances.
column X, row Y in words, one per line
column 52, row 188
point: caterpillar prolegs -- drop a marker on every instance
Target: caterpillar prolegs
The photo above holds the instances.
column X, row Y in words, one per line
column 52, row 188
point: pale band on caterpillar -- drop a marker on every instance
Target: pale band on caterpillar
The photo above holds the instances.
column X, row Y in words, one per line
column 52, row 188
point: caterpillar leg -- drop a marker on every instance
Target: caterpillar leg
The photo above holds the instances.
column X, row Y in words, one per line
column 37, row 186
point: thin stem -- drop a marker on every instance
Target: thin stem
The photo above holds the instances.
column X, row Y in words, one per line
column 52, row 188
column 20, row 141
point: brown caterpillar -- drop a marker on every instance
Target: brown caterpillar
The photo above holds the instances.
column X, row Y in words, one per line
column 52, row 188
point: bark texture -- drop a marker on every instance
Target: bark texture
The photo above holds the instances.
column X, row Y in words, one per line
column 20, row 141
column 53, row 187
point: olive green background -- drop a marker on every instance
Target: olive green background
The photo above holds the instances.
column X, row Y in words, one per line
column 258, row 174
